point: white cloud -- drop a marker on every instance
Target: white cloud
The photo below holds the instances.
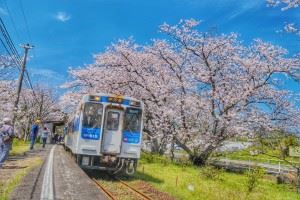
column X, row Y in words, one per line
column 46, row 73
column 62, row 16
column 3, row 11
column 291, row 28
column 243, row 7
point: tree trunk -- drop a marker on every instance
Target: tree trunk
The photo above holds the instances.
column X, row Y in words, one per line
column 155, row 145
column 201, row 159
column 172, row 150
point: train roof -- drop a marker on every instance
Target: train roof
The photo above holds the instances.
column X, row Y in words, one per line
column 85, row 97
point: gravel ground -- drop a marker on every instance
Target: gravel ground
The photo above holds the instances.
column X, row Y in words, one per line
column 121, row 192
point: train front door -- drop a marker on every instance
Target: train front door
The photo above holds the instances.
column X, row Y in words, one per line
column 112, row 133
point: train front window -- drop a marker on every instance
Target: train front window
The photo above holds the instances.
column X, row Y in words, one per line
column 132, row 120
column 112, row 122
column 92, row 115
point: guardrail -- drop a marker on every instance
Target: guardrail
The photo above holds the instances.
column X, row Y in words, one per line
column 243, row 165
column 269, row 161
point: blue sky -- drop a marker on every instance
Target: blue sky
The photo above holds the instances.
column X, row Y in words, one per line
column 66, row 33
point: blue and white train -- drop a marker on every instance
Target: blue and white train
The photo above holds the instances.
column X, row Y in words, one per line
column 106, row 133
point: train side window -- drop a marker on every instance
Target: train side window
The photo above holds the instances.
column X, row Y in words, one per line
column 112, row 122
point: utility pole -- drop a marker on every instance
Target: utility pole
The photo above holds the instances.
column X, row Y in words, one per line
column 41, row 105
column 20, row 80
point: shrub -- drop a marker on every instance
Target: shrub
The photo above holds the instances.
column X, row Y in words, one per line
column 155, row 158
column 253, row 176
column 148, row 157
column 183, row 162
column 210, row 172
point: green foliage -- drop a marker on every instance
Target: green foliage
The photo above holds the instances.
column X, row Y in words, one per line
column 175, row 181
column 183, row 162
column 210, row 172
column 8, row 185
column 278, row 142
column 19, row 147
column 154, row 158
column 253, row 176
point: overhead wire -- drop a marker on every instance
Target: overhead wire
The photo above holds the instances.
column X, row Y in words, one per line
column 4, row 2
column 11, row 50
column 25, row 20
column 29, row 37
column 13, row 53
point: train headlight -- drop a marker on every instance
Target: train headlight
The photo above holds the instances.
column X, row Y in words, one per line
column 94, row 98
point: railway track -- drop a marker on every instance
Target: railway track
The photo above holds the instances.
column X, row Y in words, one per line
column 134, row 191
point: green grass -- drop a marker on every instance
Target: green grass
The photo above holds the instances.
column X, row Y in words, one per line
column 20, row 147
column 230, row 186
column 7, row 187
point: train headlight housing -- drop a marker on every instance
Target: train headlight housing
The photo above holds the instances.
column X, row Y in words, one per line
column 135, row 103
column 95, row 98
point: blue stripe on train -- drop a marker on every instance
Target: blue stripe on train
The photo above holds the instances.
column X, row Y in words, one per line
column 90, row 133
column 104, row 99
column 131, row 137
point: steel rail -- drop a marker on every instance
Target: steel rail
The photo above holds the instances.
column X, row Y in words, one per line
column 144, row 196
column 106, row 192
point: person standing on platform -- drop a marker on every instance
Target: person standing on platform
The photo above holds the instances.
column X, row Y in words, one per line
column 6, row 138
column 34, row 133
column 44, row 136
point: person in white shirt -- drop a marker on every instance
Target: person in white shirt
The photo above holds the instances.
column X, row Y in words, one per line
column 44, row 136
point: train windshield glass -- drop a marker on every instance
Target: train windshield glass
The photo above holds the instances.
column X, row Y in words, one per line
column 112, row 122
column 132, row 120
column 92, row 115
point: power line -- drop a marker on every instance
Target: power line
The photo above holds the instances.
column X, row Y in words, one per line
column 27, row 29
column 12, row 51
column 4, row 2
column 9, row 41
column 29, row 36
column 25, row 19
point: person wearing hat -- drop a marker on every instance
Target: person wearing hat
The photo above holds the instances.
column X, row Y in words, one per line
column 6, row 139
column 34, row 133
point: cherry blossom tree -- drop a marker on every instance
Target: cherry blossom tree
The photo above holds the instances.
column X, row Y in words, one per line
column 41, row 104
column 198, row 89
column 286, row 5
column 6, row 103
column 240, row 89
